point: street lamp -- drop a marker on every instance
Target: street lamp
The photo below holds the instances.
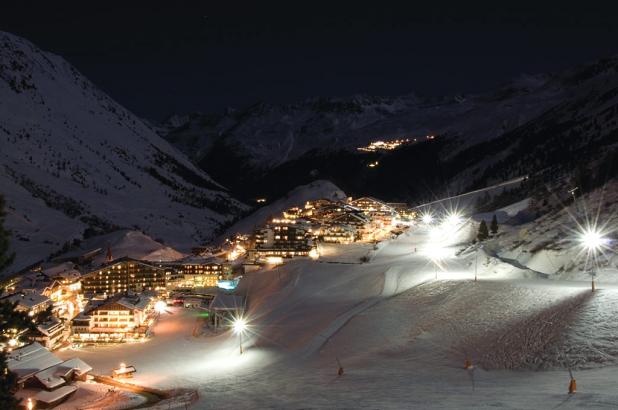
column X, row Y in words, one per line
column 240, row 326
column 592, row 240
column 476, row 261
column 427, row 218
column 452, row 219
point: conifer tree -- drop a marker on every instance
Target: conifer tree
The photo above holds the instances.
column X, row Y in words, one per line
column 8, row 381
column 493, row 227
column 483, row 231
column 6, row 257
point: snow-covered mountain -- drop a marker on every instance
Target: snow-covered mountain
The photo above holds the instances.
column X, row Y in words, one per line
column 569, row 110
column 73, row 159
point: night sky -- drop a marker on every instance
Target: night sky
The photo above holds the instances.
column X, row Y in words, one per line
column 206, row 56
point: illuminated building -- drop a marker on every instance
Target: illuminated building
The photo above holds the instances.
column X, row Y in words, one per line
column 196, row 272
column 282, row 237
column 338, row 234
column 30, row 302
column 121, row 318
column 123, row 275
column 403, row 210
column 51, row 334
column 48, row 379
column 380, row 212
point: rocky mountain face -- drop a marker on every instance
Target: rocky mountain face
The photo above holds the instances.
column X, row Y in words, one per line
column 539, row 124
column 74, row 162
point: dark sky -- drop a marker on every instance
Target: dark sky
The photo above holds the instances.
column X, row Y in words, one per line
column 207, row 55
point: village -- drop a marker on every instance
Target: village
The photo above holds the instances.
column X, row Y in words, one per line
column 75, row 302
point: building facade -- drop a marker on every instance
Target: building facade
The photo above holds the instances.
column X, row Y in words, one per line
column 197, row 272
column 125, row 275
column 116, row 319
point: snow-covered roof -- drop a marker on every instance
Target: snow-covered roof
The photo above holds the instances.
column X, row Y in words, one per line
column 48, row 327
column 31, row 359
column 29, row 300
column 224, row 301
column 54, row 396
column 57, row 375
column 53, row 377
column 199, row 260
column 78, row 365
column 64, row 270
column 139, row 304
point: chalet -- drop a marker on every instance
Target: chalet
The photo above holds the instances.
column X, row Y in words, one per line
column 368, row 205
column 122, row 318
column 43, row 376
column 51, row 333
column 30, row 302
column 337, row 233
column 281, row 238
column 380, row 212
column 403, row 210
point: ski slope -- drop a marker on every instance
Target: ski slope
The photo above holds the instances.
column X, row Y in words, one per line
column 401, row 335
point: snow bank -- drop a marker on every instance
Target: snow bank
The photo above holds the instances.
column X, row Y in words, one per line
column 133, row 244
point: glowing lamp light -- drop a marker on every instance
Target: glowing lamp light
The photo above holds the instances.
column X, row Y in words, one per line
column 453, row 219
column 239, row 325
column 274, row 260
column 592, row 240
column 12, row 342
column 427, row 219
column 30, row 404
column 314, row 253
column 160, row 306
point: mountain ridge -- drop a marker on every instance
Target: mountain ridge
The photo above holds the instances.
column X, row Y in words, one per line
column 75, row 162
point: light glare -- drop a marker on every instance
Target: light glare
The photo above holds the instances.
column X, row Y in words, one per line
column 427, row 219
column 160, row 306
column 592, row 240
column 239, row 325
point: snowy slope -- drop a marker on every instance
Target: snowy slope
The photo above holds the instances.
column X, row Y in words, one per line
column 132, row 244
column 400, row 335
column 551, row 243
column 73, row 158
